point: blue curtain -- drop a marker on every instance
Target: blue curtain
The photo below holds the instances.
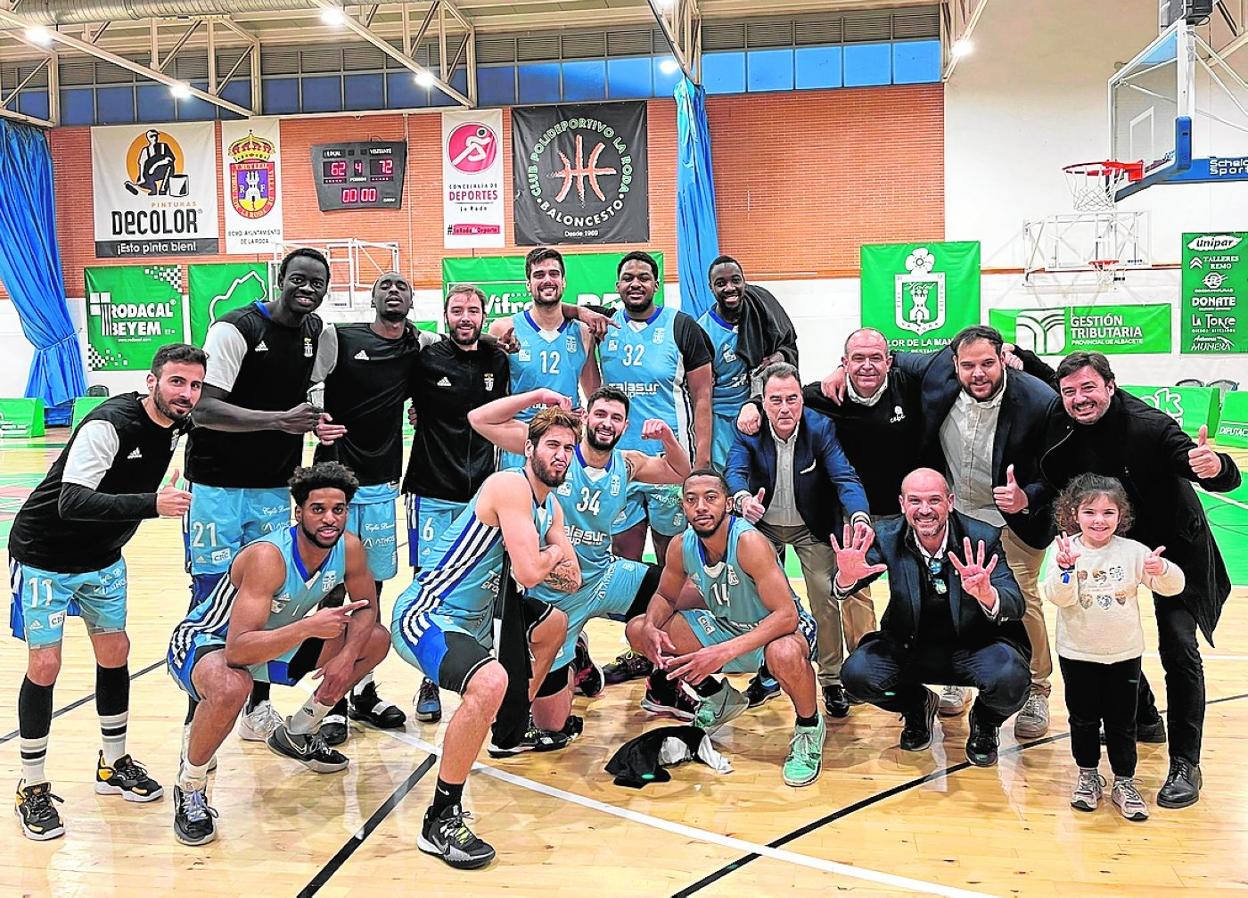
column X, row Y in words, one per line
column 30, row 269
column 697, row 234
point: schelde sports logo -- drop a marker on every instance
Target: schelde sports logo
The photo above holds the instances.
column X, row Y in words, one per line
column 594, row 173
column 1214, row 242
column 472, row 147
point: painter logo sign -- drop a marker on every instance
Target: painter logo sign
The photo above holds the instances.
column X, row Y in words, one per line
column 253, row 176
column 472, row 147
column 920, row 294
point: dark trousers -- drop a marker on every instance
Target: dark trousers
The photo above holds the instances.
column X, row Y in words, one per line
column 885, row 673
column 1102, row 692
column 1185, row 679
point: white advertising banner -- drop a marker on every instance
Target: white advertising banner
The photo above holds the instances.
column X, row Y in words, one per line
column 472, row 178
column 155, row 190
column 251, row 167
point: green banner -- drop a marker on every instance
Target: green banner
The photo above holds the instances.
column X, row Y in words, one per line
column 83, row 406
column 1233, row 423
column 1215, row 292
column 132, row 310
column 1189, row 406
column 21, row 418
column 217, row 289
column 1107, row 329
column 591, row 279
column 919, row 295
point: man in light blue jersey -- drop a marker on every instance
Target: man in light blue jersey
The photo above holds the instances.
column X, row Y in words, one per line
column 750, row 614
column 555, row 352
column 592, row 497
column 661, row 360
column 443, row 623
column 259, row 624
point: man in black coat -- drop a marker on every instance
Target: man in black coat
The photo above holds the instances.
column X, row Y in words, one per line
column 1101, row 429
column 954, row 616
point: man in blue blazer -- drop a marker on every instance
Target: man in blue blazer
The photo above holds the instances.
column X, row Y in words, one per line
column 954, row 616
column 794, row 483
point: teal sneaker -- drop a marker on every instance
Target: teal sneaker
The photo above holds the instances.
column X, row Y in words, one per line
column 716, row 710
column 805, row 760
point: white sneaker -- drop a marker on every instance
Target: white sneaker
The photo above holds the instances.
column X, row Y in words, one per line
column 186, row 741
column 1032, row 721
column 257, row 724
column 953, row 700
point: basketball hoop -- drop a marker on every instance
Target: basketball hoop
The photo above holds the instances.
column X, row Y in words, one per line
column 1106, row 270
column 1093, row 184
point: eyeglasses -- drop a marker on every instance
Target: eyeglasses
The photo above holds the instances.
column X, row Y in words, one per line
column 936, row 567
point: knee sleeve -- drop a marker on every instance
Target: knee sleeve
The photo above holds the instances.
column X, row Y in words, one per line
column 556, row 681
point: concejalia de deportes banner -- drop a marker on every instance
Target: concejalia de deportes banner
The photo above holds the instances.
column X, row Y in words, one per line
column 919, row 295
column 132, row 310
column 1107, row 329
column 472, row 178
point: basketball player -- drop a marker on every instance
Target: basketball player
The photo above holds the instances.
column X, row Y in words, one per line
column 256, row 625
column 443, row 623
column 365, row 393
column 65, row 551
column 262, row 359
column 661, row 360
column 555, row 352
column 751, row 614
column 591, row 497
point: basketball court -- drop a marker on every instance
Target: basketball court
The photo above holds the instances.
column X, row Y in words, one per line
column 1080, row 204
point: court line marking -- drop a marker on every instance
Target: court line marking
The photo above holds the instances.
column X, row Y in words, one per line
column 77, row 703
column 875, row 799
column 702, row 835
column 366, row 829
column 1226, row 499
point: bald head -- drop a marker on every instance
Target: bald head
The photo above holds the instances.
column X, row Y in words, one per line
column 867, row 361
column 392, row 297
column 926, row 502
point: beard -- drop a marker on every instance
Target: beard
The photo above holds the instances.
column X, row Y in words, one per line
column 167, row 410
column 546, row 475
column 466, row 341
column 391, row 315
column 710, row 531
column 315, row 538
column 591, row 437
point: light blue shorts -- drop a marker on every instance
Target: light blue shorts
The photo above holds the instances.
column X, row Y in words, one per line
column 723, row 435
column 613, row 592
column 427, row 520
column 224, row 519
column 711, row 630
column 371, row 517
column 659, row 504
column 41, row 599
column 187, row 648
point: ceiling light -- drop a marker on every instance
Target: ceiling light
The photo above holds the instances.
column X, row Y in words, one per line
column 179, row 90
column 425, row 78
column 962, row 48
column 332, row 15
column 37, row 34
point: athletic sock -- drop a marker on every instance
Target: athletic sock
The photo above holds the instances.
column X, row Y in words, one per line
column 340, row 707
column 34, row 721
column 445, row 795
column 112, row 703
column 259, row 693
column 308, row 718
column 811, row 721
column 710, row 686
column 192, row 777
column 365, row 682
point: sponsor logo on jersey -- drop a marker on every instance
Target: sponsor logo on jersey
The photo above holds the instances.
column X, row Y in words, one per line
column 565, row 489
column 330, row 581
column 134, row 454
column 260, row 347
column 220, row 555
column 444, row 382
column 35, row 625
column 57, row 619
column 524, row 356
column 279, row 603
column 362, row 356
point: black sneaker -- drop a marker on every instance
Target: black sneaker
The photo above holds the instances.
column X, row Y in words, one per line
column 669, row 698
column 428, row 702
column 574, row 727
column 127, row 778
column 762, row 689
column 192, row 817
column 836, row 700
column 532, row 740
column 334, row 726
column 1182, row 786
column 309, row 750
column 36, row 813
column 447, row 836
column 628, row 666
column 981, row 745
column 916, row 735
column 587, row 677
column 370, row 708
column 1151, row 732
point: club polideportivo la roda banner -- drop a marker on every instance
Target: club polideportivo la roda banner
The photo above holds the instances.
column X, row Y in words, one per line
column 590, row 280
column 919, row 295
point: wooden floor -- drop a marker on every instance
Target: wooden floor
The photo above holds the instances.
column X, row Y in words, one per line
column 877, row 822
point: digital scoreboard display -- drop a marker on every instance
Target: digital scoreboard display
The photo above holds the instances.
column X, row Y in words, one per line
column 363, row 175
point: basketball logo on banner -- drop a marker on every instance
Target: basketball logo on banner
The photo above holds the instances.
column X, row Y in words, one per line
column 580, row 174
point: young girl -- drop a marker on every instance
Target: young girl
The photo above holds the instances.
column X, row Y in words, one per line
column 1099, row 637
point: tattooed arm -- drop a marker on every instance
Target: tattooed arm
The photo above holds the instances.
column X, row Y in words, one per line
column 566, row 574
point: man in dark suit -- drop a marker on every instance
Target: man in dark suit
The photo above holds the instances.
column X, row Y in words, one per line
column 794, row 483
column 1102, row 429
column 983, row 429
column 954, row 616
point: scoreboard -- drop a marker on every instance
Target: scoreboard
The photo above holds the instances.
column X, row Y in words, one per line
column 360, row 175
